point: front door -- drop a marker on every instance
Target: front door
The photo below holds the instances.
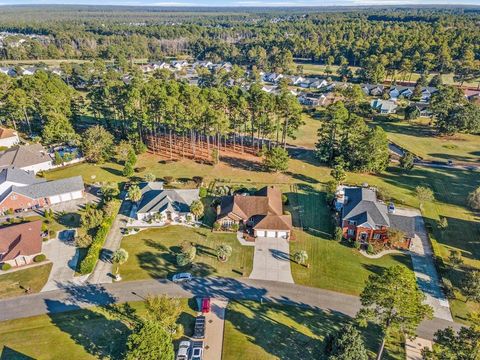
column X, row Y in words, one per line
column 363, row 237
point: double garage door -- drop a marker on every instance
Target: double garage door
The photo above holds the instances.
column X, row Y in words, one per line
column 271, row 234
column 55, row 199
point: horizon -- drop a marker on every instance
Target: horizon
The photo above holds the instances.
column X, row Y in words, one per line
column 245, row 3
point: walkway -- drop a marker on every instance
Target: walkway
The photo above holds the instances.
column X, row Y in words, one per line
column 215, row 321
column 271, row 260
column 424, row 267
column 413, row 348
column 74, row 297
column 103, row 270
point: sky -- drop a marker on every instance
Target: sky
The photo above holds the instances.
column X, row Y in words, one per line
column 245, row 3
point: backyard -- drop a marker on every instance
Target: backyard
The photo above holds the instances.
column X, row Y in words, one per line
column 91, row 333
column 153, row 253
column 272, row 331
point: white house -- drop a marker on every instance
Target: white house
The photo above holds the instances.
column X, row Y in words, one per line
column 32, row 157
column 10, row 177
column 384, row 106
column 8, row 137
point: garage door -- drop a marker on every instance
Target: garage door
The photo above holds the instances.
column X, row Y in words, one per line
column 261, row 233
column 282, row 234
column 55, row 199
column 271, row 234
column 66, row 197
column 77, row 195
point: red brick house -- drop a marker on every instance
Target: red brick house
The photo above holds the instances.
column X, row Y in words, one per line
column 20, row 243
column 366, row 219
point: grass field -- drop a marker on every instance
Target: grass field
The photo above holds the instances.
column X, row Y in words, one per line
column 153, row 253
column 15, row 283
column 270, row 331
column 420, row 139
column 93, row 333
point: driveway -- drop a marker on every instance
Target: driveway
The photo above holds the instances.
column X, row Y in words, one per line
column 271, row 260
column 64, row 256
column 424, row 267
column 215, row 321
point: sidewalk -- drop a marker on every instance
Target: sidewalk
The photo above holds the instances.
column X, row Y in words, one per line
column 215, row 322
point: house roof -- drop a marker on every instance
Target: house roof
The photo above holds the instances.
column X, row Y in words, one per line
column 18, row 176
column 363, row 207
column 7, row 133
column 24, row 155
column 265, row 208
column 157, row 199
column 50, row 188
column 403, row 223
column 21, row 239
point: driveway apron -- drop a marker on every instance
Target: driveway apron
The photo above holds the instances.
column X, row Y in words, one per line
column 271, row 260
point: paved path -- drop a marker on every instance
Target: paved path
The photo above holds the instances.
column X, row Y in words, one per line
column 271, row 260
column 413, row 348
column 424, row 268
column 74, row 297
column 103, row 270
column 215, row 321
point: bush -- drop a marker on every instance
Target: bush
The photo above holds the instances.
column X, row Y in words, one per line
column 284, row 199
column 203, row 192
column 235, row 227
column 216, row 226
column 6, row 266
column 90, row 260
column 338, row 234
column 198, row 180
column 39, row 258
column 357, row 245
column 168, row 179
column 370, row 249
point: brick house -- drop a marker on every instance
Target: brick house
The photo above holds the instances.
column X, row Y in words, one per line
column 366, row 219
column 20, row 243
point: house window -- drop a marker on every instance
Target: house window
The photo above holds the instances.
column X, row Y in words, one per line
column 350, row 232
column 351, row 222
column 376, row 236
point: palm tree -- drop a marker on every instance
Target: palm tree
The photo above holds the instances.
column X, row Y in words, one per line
column 300, row 257
column 134, row 193
column 119, row 257
column 197, row 209
column 224, row 251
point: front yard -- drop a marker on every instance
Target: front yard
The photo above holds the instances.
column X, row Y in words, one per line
column 16, row 283
column 153, row 253
column 255, row 331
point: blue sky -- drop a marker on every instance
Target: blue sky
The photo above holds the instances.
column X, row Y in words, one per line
column 241, row 2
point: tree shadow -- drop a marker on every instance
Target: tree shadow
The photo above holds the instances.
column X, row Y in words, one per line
column 112, row 171
column 243, row 164
column 11, row 354
column 69, row 220
column 302, row 177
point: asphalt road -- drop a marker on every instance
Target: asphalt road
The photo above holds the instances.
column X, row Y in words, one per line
column 71, row 297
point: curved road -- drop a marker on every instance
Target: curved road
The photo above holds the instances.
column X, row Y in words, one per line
column 71, row 297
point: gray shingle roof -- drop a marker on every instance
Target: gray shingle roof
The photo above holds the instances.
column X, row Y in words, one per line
column 50, row 188
column 18, row 176
column 24, row 155
column 362, row 207
column 403, row 223
column 156, row 199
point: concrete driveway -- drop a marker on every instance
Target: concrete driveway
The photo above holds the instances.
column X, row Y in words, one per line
column 271, row 260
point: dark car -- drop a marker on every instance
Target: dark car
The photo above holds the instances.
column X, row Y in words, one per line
column 199, row 330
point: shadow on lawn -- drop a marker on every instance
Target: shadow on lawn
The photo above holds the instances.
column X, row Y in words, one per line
column 8, row 353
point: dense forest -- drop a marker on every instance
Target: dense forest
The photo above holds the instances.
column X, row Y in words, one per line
column 378, row 40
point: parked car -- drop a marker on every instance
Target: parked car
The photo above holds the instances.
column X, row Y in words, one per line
column 197, row 350
column 199, row 329
column 181, row 277
column 183, row 352
column 205, row 305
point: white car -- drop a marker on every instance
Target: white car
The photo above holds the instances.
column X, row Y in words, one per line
column 197, row 353
column 181, row 277
column 183, row 350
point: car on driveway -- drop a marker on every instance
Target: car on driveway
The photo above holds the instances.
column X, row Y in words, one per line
column 205, row 305
column 197, row 350
column 183, row 352
column 199, row 329
column 181, row 277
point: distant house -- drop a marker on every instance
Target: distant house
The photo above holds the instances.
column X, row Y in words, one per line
column 384, row 106
column 8, row 137
column 272, row 77
column 168, row 205
column 32, row 157
column 34, row 193
column 423, row 109
column 270, row 89
column 179, row 64
column 366, row 219
column 20, row 243
column 261, row 214
column 10, row 71
column 373, row 90
column 311, row 99
column 473, row 96
column 318, row 84
column 29, row 71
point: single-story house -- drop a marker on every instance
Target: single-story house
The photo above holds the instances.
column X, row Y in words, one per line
column 366, row 219
column 171, row 205
column 20, row 243
column 311, row 99
column 16, row 177
column 8, row 137
column 260, row 214
column 384, row 106
column 10, row 71
column 41, row 193
column 32, row 157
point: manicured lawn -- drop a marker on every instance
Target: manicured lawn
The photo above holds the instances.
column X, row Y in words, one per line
column 153, row 253
column 420, row 138
column 93, row 333
column 15, row 283
column 335, row 266
column 255, row 331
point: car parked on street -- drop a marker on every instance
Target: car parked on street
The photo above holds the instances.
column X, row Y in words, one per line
column 181, row 277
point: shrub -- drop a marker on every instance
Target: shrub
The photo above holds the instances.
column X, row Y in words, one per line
column 338, row 234
column 357, row 244
column 39, row 258
column 235, row 227
column 442, row 223
column 198, row 180
column 6, row 266
column 128, row 170
column 216, row 226
column 370, row 249
column 203, row 192
column 284, row 199
column 168, row 179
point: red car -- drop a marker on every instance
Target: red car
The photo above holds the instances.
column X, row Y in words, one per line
column 205, row 305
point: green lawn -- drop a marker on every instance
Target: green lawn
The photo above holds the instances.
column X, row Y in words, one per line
column 15, row 283
column 335, row 266
column 420, row 138
column 93, row 333
column 271, row 331
column 153, row 253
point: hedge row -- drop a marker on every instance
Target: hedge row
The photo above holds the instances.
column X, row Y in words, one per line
column 90, row 260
